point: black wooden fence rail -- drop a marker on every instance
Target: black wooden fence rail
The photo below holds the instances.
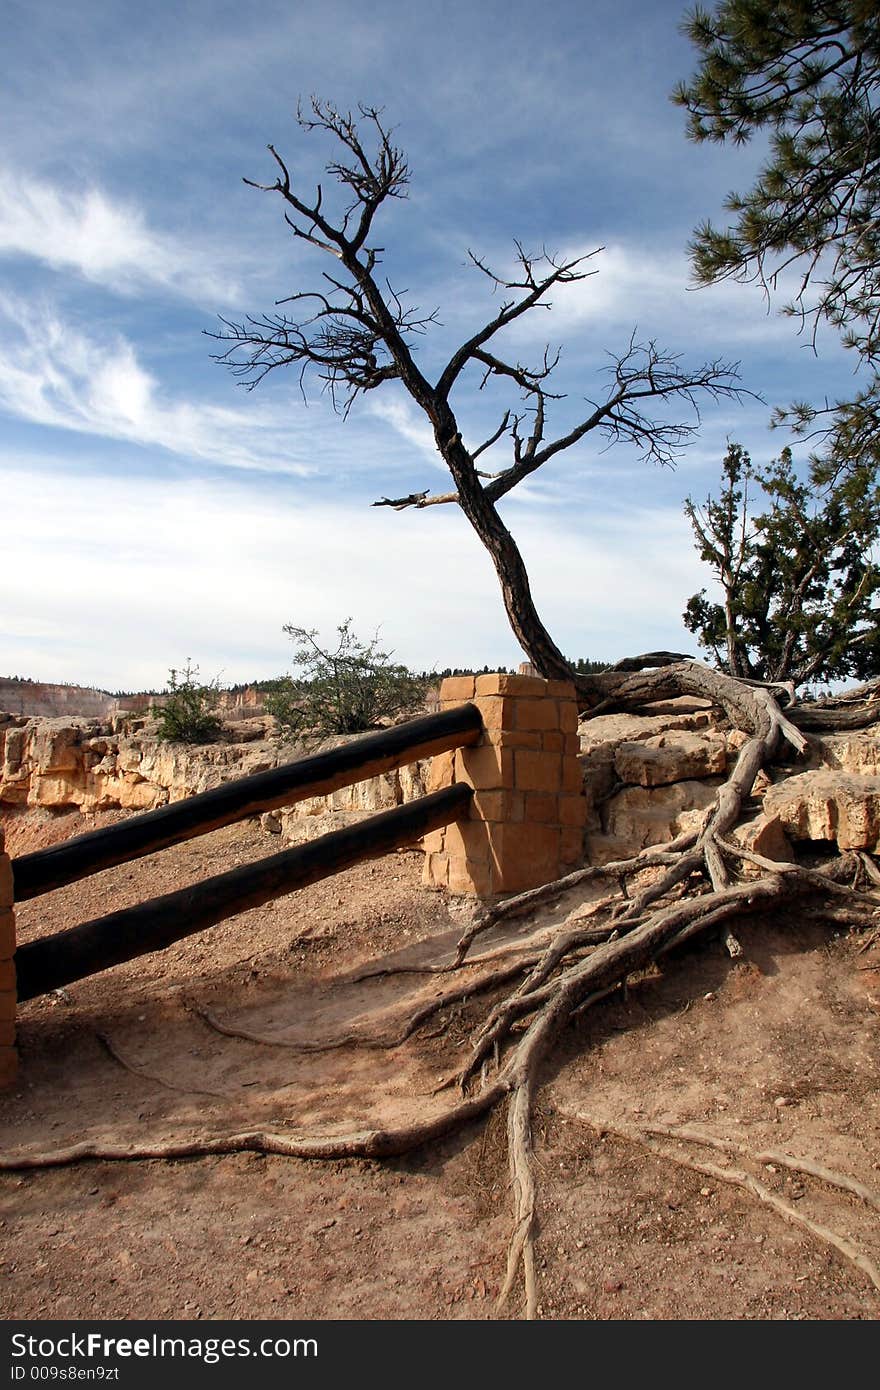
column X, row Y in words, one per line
column 152, row 926
column 245, row 796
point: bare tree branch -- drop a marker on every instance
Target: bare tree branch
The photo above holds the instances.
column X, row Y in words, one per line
column 358, row 332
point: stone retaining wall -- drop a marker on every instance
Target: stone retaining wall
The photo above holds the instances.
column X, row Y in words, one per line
column 526, row 824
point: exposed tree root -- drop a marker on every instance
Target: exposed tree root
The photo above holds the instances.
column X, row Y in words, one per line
column 454, row 995
column 781, row 1160
column 370, row 1143
column 522, row 1246
column 556, row 973
column 552, row 1002
column 505, row 952
column 137, row 1070
column 738, row 1177
column 522, row 903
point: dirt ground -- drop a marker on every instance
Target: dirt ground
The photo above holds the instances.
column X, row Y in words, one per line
column 775, row 1051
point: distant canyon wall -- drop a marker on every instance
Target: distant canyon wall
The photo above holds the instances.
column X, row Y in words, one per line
column 54, row 701
column 46, row 701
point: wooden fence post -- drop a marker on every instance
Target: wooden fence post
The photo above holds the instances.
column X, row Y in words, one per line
column 8, row 1055
column 527, row 818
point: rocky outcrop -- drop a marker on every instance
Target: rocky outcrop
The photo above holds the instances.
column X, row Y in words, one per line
column 640, row 816
column 315, row 816
column 764, row 836
column 96, row 765
column 647, row 779
column 854, row 752
column 651, row 777
column 92, row 766
column 670, row 757
column 829, row 805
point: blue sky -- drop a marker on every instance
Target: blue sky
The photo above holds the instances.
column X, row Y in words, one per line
column 154, row 510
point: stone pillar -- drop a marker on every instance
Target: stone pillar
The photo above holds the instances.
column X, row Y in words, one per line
column 8, row 1056
column 527, row 817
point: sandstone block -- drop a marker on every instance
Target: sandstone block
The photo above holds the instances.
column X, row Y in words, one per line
column 572, row 810
column 502, row 684
column 435, row 872
column 7, row 1005
column 572, row 775
column 666, row 758
column 441, row 772
column 571, row 847
column 467, row 840
column 497, row 711
column 497, row 805
column 7, row 934
column 457, row 690
column 537, row 714
column 466, row 877
column 561, row 690
column 487, row 767
column 542, row 807
column 825, row 805
column 515, row 738
column 7, row 974
column 516, row 806
column 537, row 772
column 526, row 855
column 552, row 741
column 568, row 717
column 7, row 1032
column 433, row 842
column 7, row 896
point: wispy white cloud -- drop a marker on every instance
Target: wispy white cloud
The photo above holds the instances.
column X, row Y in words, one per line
column 52, row 373
column 106, row 241
column 407, row 422
column 213, row 571
column 631, row 285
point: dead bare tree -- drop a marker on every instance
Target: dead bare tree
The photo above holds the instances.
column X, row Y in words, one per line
column 356, row 333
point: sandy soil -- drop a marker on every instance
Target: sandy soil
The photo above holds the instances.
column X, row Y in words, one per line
column 778, row 1050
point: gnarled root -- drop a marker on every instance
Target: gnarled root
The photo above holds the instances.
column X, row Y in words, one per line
column 738, row 1177
column 555, row 976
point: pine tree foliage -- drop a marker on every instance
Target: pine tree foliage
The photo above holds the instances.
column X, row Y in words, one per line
column 800, row 580
column 805, row 73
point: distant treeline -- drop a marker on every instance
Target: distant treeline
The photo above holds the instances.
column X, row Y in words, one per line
column 60, row 685
column 582, row 665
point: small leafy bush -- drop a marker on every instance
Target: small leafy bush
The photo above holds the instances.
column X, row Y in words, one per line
column 187, row 714
column 344, row 691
